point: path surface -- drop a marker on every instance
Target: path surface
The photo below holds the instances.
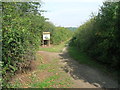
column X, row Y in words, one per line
column 82, row 73
column 72, row 74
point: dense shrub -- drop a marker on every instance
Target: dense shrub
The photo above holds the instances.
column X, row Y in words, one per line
column 58, row 34
column 22, row 28
column 61, row 34
column 99, row 37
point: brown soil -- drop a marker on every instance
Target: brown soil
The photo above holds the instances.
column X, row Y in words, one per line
column 82, row 76
column 85, row 76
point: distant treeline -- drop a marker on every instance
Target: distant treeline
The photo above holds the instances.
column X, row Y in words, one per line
column 100, row 36
column 22, row 28
column 72, row 28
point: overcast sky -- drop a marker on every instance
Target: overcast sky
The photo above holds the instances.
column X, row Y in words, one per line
column 70, row 13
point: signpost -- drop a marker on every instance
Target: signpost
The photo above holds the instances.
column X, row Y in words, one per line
column 46, row 38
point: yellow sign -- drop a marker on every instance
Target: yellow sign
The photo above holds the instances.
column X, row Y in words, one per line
column 46, row 35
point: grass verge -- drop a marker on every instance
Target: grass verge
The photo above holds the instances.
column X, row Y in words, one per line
column 46, row 83
column 55, row 48
column 82, row 58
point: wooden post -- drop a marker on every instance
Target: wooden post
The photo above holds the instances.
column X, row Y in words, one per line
column 48, row 42
column 42, row 42
column 46, row 38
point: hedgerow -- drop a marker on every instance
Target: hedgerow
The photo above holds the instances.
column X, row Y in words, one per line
column 100, row 37
column 22, row 28
column 61, row 34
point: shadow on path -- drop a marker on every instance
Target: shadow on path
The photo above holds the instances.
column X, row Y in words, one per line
column 86, row 73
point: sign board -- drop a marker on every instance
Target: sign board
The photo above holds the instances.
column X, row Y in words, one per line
column 46, row 35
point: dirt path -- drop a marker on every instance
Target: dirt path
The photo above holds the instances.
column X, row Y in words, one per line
column 59, row 70
column 85, row 74
column 82, row 76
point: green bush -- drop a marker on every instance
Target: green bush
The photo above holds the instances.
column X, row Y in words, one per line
column 99, row 37
column 21, row 30
column 61, row 34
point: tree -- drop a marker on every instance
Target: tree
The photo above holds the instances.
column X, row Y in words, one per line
column 99, row 37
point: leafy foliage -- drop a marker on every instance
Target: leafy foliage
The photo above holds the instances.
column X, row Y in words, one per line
column 61, row 34
column 22, row 28
column 99, row 37
column 58, row 34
